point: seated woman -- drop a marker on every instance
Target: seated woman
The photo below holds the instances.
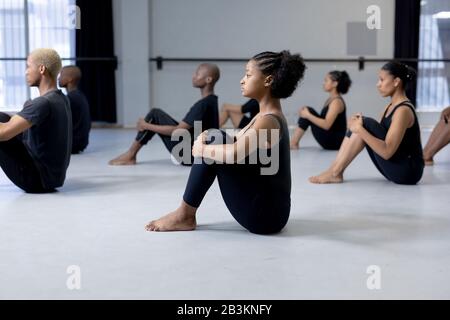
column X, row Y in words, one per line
column 240, row 116
column 439, row 138
column 259, row 200
column 394, row 144
column 328, row 127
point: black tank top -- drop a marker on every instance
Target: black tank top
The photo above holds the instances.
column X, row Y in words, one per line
column 411, row 145
column 281, row 181
column 340, row 123
column 279, row 184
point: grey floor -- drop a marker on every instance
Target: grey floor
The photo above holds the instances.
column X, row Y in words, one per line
column 335, row 233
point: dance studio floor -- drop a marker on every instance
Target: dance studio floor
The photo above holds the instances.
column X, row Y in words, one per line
column 335, row 233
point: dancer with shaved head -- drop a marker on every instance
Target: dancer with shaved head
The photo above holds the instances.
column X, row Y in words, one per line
column 157, row 121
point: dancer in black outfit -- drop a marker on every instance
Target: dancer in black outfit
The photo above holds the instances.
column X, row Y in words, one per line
column 328, row 127
column 204, row 111
column 70, row 78
column 394, row 144
column 35, row 144
column 260, row 201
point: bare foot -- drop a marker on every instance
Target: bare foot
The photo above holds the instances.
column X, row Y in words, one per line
column 125, row 159
column 327, row 177
column 179, row 220
column 294, row 147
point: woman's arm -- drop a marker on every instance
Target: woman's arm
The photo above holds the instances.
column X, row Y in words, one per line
column 245, row 144
column 334, row 109
column 402, row 119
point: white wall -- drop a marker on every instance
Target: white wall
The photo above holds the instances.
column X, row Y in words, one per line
column 239, row 28
column 132, row 46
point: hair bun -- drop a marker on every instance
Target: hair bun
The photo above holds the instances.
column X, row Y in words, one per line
column 410, row 72
column 287, row 70
column 285, row 56
column 343, row 80
column 401, row 70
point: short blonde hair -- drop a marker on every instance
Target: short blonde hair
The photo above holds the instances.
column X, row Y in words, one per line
column 49, row 58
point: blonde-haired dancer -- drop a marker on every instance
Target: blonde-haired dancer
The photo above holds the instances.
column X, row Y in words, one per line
column 35, row 144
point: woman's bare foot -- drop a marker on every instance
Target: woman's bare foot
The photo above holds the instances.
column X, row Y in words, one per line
column 295, row 147
column 126, row 159
column 179, row 220
column 327, row 177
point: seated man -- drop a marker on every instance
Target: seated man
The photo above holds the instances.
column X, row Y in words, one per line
column 240, row 116
column 81, row 115
column 157, row 121
column 35, row 144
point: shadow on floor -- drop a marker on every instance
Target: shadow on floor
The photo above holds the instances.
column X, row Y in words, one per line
column 366, row 229
column 369, row 228
column 105, row 184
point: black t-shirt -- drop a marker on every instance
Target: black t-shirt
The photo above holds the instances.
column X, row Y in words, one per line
column 252, row 107
column 81, row 120
column 205, row 110
column 49, row 140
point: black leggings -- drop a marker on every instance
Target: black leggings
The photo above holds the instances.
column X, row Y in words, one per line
column 159, row 117
column 250, row 201
column 18, row 165
column 400, row 169
column 328, row 139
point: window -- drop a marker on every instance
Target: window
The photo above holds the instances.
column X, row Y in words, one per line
column 24, row 26
column 434, row 77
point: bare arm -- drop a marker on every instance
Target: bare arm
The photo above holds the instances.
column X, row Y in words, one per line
column 234, row 108
column 335, row 108
column 245, row 144
column 401, row 121
column 15, row 126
